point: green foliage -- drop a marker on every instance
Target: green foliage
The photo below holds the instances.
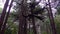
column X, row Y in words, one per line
column 38, row 10
column 30, row 31
column 44, row 32
column 11, row 27
column 57, row 21
column 58, row 9
column 0, row 10
column 8, row 31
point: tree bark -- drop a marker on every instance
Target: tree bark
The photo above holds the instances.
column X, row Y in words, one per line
column 6, row 18
column 33, row 21
column 3, row 14
column 52, row 23
column 22, row 19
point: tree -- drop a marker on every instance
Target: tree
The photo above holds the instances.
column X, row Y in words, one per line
column 3, row 14
column 6, row 18
column 52, row 23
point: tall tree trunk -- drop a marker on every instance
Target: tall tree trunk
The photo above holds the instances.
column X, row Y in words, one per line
column 34, row 27
column 3, row 14
column 33, row 21
column 6, row 18
column 25, row 13
column 22, row 19
column 52, row 23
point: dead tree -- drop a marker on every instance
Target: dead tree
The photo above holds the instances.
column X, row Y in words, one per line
column 6, row 18
column 3, row 14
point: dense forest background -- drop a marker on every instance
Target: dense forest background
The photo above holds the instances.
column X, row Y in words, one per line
column 37, row 12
